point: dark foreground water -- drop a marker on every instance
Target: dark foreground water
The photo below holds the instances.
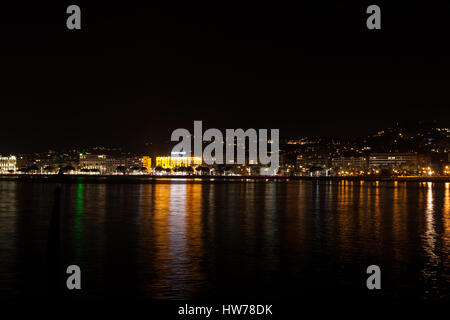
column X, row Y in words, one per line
column 263, row 240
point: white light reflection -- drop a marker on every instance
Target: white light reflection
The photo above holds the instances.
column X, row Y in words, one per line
column 429, row 244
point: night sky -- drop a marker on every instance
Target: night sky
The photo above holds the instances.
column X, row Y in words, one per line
column 133, row 74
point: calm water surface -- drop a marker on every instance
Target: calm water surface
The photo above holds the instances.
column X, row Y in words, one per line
column 193, row 239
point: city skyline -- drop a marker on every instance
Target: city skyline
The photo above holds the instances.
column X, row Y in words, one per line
column 416, row 150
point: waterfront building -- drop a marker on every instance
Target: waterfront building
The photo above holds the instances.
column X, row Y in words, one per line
column 393, row 159
column 23, row 161
column 267, row 171
column 106, row 164
column 174, row 162
column 8, row 164
column 132, row 161
column 350, row 163
column 95, row 162
column 313, row 164
column 147, row 163
column 312, row 161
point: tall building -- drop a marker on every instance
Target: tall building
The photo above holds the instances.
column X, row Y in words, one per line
column 8, row 164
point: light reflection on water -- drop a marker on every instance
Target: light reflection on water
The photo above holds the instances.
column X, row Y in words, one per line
column 8, row 230
column 430, row 236
column 183, row 240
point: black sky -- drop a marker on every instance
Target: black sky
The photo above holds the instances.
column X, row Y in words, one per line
column 134, row 73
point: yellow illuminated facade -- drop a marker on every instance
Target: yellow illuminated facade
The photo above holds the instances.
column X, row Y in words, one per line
column 174, row 162
column 147, row 163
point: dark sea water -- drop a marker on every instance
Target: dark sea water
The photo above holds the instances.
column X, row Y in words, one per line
column 261, row 239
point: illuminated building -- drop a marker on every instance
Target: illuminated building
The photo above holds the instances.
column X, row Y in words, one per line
column 106, row 164
column 132, row 161
column 147, row 163
column 393, row 159
column 8, row 164
column 349, row 163
column 446, row 170
column 266, row 171
column 93, row 162
column 113, row 162
column 173, row 162
column 312, row 161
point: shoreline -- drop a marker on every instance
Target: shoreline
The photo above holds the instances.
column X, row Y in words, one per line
column 68, row 178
